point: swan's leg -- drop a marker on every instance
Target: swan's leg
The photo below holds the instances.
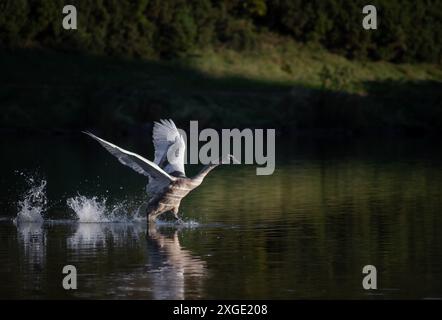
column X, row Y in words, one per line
column 175, row 213
column 152, row 218
column 179, row 220
column 153, row 211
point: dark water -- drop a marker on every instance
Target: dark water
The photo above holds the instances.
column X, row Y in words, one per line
column 304, row 232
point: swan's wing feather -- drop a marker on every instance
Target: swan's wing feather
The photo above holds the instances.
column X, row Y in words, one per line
column 134, row 161
column 170, row 147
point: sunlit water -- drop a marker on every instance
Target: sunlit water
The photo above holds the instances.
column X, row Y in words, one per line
column 304, row 232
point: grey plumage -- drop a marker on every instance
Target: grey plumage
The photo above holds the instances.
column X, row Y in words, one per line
column 168, row 183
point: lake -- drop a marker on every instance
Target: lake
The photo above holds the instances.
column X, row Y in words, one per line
column 305, row 232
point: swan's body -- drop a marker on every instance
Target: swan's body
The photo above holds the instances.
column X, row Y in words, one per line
column 168, row 183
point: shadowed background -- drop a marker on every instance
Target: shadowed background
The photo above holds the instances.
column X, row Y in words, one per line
column 358, row 164
column 293, row 65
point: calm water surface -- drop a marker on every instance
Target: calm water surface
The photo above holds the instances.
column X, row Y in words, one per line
column 305, row 232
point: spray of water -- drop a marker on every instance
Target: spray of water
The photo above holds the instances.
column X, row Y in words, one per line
column 88, row 210
column 33, row 203
column 97, row 210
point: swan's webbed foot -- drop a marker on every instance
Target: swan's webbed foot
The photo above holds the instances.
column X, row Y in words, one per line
column 178, row 219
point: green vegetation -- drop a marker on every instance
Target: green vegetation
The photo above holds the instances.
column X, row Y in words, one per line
column 283, row 85
column 408, row 30
column 293, row 65
column 278, row 60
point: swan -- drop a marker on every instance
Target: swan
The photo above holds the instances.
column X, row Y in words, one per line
column 168, row 183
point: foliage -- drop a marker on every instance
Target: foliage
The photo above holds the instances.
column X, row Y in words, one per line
column 408, row 30
column 222, row 89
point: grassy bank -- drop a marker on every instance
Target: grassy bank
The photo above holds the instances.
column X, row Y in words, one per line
column 279, row 84
column 286, row 62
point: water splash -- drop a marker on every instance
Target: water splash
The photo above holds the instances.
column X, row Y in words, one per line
column 33, row 203
column 139, row 215
column 88, row 209
column 173, row 223
column 96, row 209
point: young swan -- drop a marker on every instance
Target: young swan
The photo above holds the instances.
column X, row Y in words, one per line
column 168, row 183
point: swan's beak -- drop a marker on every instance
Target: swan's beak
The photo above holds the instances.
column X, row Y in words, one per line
column 229, row 159
column 234, row 160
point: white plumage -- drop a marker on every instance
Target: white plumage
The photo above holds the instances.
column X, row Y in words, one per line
column 170, row 147
column 168, row 184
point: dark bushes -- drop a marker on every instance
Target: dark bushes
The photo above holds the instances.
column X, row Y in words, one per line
column 408, row 30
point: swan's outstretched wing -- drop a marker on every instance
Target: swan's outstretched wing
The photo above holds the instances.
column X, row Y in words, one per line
column 169, row 147
column 134, row 161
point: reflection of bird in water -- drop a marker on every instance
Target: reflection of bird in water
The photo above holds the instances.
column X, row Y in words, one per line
column 178, row 273
column 168, row 272
column 168, row 183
